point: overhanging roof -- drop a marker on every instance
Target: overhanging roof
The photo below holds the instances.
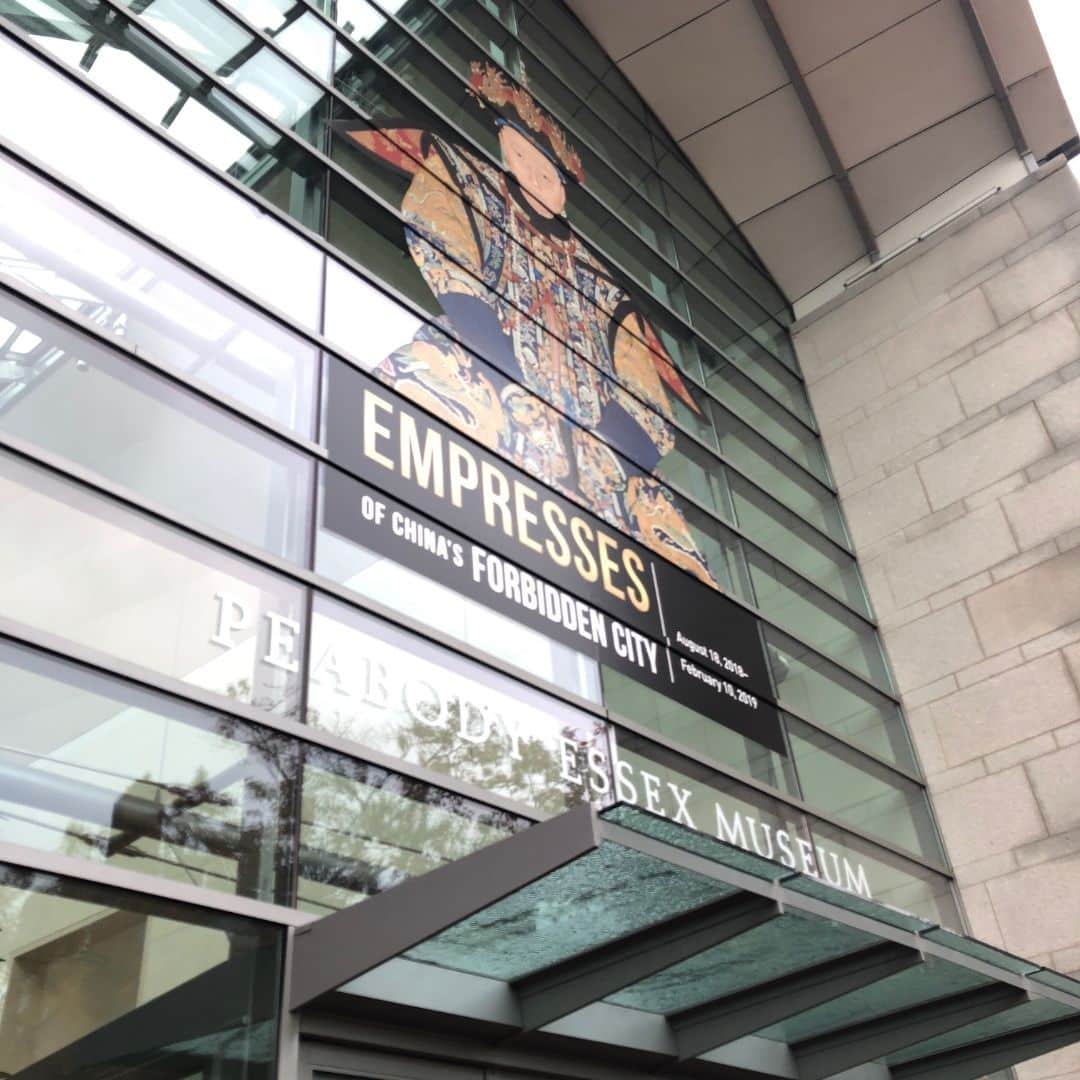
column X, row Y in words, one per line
column 714, row 943
column 826, row 128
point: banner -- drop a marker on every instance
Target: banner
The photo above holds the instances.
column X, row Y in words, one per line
column 460, row 515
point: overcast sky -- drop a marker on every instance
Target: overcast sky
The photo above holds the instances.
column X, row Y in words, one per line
column 1059, row 21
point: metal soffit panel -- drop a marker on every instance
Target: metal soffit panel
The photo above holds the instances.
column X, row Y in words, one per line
column 629, row 909
column 879, row 89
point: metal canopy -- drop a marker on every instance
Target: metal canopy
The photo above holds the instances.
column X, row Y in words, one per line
column 715, row 943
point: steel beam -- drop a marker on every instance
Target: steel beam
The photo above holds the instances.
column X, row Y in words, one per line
column 715, row 1023
column 872, row 1040
column 339, row 947
column 591, row 976
column 991, row 1055
column 821, row 132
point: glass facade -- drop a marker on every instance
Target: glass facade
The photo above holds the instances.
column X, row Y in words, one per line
column 208, row 679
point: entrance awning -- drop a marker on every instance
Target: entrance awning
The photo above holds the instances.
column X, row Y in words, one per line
column 634, row 910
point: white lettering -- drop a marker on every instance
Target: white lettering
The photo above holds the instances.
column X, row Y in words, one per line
column 281, row 646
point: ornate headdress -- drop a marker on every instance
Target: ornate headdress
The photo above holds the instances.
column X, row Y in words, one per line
column 490, row 84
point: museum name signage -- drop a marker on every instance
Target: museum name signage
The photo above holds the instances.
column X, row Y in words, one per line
column 421, row 494
column 385, row 690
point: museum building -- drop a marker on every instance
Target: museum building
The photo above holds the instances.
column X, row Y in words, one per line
column 594, row 483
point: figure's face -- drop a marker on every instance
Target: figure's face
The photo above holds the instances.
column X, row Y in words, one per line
column 533, row 170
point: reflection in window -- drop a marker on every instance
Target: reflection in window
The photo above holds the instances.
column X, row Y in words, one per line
column 65, row 128
column 69, row 394
column 109, row 579
column 431, row 604
column 374, row 829
column 97, row 768
column 401, row 695
column 97, row 981
column 56, row 245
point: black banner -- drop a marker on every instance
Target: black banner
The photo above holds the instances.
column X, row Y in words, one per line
column 567, row 572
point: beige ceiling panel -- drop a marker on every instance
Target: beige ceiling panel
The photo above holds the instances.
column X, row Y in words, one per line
column 622, row 26
column 1041, row 110
column 894, row 85
column 818, row 30
column 703, row 71
column 759, row 155
column 1014, row 38
column 903, row 178
column 806, row 239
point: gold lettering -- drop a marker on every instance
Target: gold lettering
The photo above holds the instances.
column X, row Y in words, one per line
column 557, row 548
column 585, row 563
column 606, row 545
column 636, row 592
column 373, row 429
column 463, row 472
column 525, row 517
column 427, row 463
column 496, row 493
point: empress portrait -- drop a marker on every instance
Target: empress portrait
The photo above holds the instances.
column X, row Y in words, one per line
column 575, row 368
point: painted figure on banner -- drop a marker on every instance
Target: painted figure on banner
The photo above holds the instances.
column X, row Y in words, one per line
column 524, row 293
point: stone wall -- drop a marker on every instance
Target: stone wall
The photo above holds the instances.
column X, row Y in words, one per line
column 947, row 388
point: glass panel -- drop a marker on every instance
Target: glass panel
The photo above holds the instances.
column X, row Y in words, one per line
column 113, row 580
column 53, row 243
column 847, row 785
column 817, row 618
column 419, row 597
column 407, row 697
column 904, row 893
column 777, row 475
column 808, row 683
column 364, row 830
column 987, row 953
column 597, row 898
column 95, row 981
column 98, row 768
column 146, row 79
column 698, row 733
column 76, row 398
column 779, row 948
column 930, row 981
column 65, row 128
column 1039, row 1011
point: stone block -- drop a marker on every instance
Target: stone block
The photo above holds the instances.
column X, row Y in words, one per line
column 992, row 452
column 849, row 387
column 1038, row 908
column 988, row 817
column 1036, row 278
column 935, row 336
column 1000, row 372
column 1047, row 508
column 889, row 505
column 958, row 592
column 986, row 669
column 932, row 647
column 1062, row 1064
column 963, row 254
column 1054, row 779
column 1028, row 605
column 980, row 913
column 1027, row 750
column 948, row 555
column 924, row 735
column 1005, row 709
column 859, row 318
column 1060, row 410
column 905, row 425
column 1049, row 201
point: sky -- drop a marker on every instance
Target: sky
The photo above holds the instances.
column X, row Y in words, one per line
column 1059, row 21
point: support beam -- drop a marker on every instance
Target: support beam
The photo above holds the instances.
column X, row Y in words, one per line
column 715, row 1023
column 339, row 947
column 821, row 132
column 836, row 1051
column 592, row 976
column 991, row 1055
